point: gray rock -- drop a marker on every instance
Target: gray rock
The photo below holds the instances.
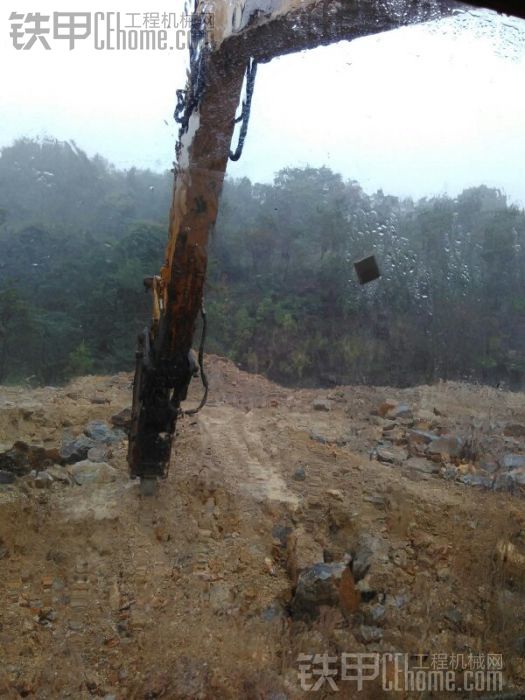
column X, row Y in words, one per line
column 100, row 431
column 75, row 626
column 122, row 419
column 319, row 438
column 86, row 472
column 322, row 405
column 422, row 465
column 99, row 453
column 391, row 455
column 513, row 461
column 388, row 425
column 503, row 482
column 446, row 445
column 517, row 476
column 272, row 612
column 377, row 612
column 420, row 437
column 280, row 532
column 99, row 400
column 6, row 477
column 299, row 474
column 368, row 548
column 489, row 466
column 454, row 615
column 477, row 480
column 376, row 500
column 318, row 585
column 75, row 449
column 361, row 562
column 424, row 416
column 59, row 473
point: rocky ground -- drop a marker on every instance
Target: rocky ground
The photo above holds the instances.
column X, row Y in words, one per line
column 355, row 520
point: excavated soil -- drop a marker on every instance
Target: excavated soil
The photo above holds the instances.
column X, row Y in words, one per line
column 188, row 594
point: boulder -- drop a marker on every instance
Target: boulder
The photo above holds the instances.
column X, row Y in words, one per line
column 394, row 435
column 324, row 585
column 22, row 458
column 391, row 455
column 59, row 473
column 454, row 616
column 99, row 400
column 122, row 419
column 100, row 431
column 368, row 547
column 322, row 405
column 75, row 449
column 425, row 418
column 445, row 446
column 489, row 466
column 451, row 472
column 477, row 480
column 422, row 465
column 87, row 472
column 420, row 437
column 518, row 476
column 503, row 482
column 99, row 453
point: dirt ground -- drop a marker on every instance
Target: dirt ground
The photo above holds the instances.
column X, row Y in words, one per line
column 189, row 594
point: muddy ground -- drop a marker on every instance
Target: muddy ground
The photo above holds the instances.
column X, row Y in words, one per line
column 190, row 594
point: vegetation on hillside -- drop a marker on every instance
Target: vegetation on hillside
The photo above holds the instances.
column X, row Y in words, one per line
column 77, row 236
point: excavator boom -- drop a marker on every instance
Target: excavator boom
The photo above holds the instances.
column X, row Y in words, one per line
column 222, row 51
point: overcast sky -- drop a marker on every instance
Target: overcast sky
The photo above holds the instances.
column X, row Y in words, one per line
column 419, row 111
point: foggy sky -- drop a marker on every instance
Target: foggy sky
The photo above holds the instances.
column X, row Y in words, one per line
column 419, row 111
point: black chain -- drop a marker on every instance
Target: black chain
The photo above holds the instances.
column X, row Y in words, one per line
column 188, row 99
column 244, row 117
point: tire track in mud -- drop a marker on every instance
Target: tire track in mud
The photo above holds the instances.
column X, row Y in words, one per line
column 233, row 440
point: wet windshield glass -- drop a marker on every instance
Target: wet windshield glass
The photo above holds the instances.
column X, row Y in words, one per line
column 262, row 351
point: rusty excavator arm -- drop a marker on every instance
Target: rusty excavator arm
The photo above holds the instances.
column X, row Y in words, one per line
column 244, row 32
